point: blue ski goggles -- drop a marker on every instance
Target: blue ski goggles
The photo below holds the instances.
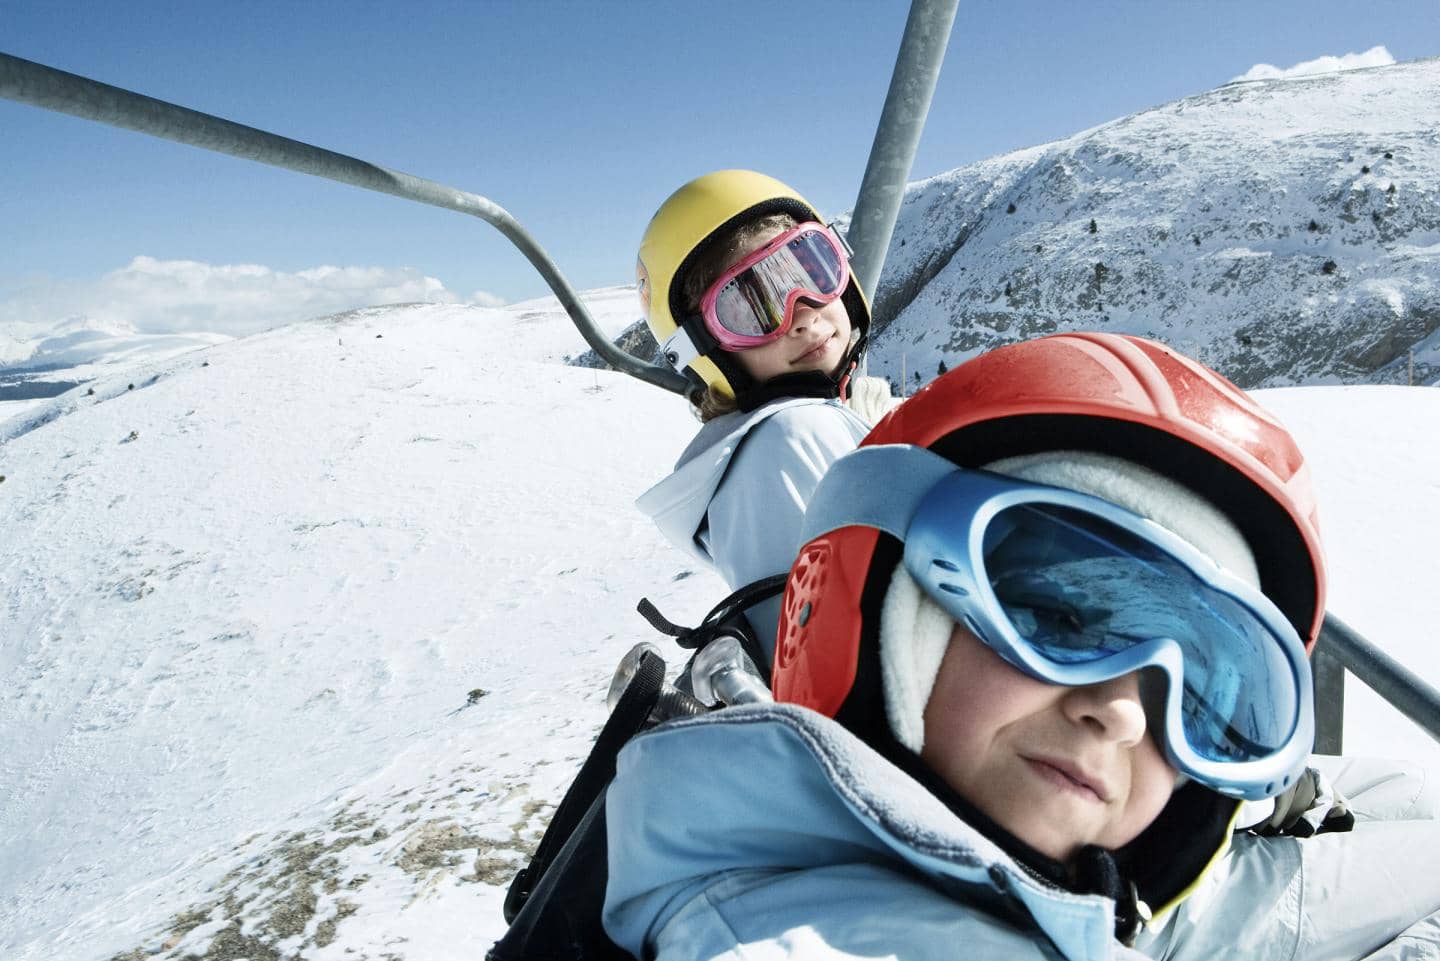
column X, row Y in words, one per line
column 1074, row 590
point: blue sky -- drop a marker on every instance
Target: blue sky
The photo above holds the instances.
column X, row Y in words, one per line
column 578, row 117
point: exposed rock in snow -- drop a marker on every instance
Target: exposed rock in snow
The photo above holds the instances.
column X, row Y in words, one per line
column 1284, row 232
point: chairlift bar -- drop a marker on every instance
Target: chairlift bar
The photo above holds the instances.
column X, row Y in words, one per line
column 38, row 85
column 902, row 120
column 1407, row 691
column 1329, row 684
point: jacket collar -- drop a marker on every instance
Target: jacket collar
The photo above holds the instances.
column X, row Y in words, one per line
column 819, row 796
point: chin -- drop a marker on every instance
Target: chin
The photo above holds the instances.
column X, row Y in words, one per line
column 1047, row 841
column 829, row 361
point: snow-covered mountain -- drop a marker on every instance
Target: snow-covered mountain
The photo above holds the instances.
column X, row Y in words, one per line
column 305, row 633
column 77, row 350
column 84, row 341
column 1284, row 231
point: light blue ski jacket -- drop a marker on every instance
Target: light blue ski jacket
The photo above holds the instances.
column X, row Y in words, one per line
column 771, row 832
column 737, row 497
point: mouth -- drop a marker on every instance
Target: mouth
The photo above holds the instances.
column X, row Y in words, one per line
column 815, row 352
column 1070, row 778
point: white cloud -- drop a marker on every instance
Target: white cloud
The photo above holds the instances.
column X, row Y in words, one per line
column 1374, row 57
column 150, row 296
column 482, row 298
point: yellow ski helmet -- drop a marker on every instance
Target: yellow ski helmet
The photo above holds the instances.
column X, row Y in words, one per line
column 695, row 216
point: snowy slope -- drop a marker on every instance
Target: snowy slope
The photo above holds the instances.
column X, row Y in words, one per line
column 306, row 631
column 1285, row 231
column 274, row 567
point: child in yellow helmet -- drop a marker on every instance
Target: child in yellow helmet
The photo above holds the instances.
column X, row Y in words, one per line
column 749, row 294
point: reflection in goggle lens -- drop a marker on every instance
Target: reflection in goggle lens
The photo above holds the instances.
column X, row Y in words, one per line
column 752, row 304
column 1078, row 588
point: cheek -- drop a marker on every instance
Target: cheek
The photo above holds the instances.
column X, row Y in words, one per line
column 1152, row 782
column 763, row 362
column 976, row 694
column 1154, row 777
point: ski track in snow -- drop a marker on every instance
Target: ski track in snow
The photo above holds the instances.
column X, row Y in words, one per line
column 308, row 631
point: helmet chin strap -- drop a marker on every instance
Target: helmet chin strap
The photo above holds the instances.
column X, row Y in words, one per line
column 844, row 385
column 807, row 383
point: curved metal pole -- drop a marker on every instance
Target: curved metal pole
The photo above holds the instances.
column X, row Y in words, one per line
column 1405, row 689
column 42, row 86
column 917, row 67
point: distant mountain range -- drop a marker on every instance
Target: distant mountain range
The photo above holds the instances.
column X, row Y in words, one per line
column 80, row 349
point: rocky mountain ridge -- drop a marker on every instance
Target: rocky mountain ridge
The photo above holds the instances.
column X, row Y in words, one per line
column 1283, row 231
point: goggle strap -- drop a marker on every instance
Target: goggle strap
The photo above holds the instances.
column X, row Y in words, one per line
column 679, row 350
column 878, row 487
column 842, row 389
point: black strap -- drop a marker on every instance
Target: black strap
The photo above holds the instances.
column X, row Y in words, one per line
column 727, row 617
column 807, row 383
column 627, row 720
column 747, row 597
column 692, row 638
column 659, row 621
column 563, row 920
column 1096, row 872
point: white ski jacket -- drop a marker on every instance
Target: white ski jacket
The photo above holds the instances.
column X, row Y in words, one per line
column 805, row 843
column 737, row 497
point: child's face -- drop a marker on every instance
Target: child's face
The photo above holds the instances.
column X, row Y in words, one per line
column 817, row 339
column 1058, row 767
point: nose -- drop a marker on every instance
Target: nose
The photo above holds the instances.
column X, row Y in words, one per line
column 1111, row 709
column 802, row 316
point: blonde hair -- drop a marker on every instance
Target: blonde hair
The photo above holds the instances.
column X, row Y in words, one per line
column 706, row 269
column 711, row 403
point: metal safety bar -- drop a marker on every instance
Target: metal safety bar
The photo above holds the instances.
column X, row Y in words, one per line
column 1339, row 648
column 42, row 86
column 917, row 66
column 907, row 104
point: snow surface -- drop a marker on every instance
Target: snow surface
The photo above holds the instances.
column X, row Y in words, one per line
column 257, row 590
column 249, row 604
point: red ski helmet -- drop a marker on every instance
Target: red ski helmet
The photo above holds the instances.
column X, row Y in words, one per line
column 1108, row 393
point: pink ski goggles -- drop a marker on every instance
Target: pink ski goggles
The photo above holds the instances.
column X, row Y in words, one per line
column 753, row 302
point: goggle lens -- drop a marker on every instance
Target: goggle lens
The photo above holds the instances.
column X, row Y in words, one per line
column 753, row 302
column 1078, row 588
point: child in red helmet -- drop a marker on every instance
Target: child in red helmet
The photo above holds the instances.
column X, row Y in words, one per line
column 1044, row 693
column 749, row 294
